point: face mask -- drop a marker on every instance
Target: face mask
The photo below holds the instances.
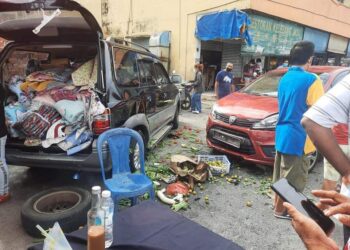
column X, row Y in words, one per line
column 228, row 69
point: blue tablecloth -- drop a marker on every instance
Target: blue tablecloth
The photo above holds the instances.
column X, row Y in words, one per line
column 149, row 225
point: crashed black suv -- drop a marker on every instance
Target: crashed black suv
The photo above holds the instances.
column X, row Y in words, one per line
column 130, row 82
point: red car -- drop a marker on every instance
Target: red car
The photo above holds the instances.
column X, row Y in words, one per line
column 243, row 123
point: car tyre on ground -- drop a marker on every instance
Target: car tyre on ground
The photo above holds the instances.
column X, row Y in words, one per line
column 66, row 205
column 135, row 153
column 176, row 119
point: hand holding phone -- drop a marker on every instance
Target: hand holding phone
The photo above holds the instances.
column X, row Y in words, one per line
column 288, row 193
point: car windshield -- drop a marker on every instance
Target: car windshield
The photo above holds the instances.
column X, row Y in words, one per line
column 266, row 85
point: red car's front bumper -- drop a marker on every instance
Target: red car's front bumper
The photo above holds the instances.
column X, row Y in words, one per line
column 256, row 146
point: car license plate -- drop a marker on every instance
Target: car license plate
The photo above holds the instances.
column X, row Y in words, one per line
column 226, row 139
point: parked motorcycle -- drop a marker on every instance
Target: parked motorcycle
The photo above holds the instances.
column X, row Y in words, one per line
column 185, row 94
column 185, row 89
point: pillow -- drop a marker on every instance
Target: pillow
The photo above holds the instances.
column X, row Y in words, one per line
column 71, row 111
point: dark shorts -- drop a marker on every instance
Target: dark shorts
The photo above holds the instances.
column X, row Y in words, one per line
column 292, row 167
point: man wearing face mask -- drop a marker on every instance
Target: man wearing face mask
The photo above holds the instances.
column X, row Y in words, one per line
column 224, row 82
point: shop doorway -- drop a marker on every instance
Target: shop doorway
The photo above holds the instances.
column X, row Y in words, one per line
column 212, row 65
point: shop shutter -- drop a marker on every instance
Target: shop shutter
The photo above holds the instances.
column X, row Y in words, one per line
column 211, row 45
column 337, row 44
column 319, row 38
column 232, row 53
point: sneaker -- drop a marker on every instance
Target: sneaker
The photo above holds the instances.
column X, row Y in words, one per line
column 4, row 197
column 195, row 112
column 284, row 216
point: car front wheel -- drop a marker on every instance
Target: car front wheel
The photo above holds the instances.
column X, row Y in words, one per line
column 313, row 159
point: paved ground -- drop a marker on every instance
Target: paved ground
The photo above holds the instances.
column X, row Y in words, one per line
column 227, row 214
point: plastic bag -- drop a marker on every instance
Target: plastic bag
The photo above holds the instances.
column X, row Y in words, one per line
column 55, row 239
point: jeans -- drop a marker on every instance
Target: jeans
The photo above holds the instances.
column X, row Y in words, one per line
column 196, row 102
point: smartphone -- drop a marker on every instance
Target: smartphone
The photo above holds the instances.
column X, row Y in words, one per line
column 288, row 193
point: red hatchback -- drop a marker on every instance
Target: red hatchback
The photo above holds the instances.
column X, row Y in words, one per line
column 243, row 123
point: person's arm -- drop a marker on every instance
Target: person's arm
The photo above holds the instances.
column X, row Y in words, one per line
column 330, row 109
column 216, row 86
column 233, row 87
column 309, row 231
column 216, row 89
column 324, row 140
column 195, row 81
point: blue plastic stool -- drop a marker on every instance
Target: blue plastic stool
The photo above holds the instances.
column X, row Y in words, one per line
column 123, row 183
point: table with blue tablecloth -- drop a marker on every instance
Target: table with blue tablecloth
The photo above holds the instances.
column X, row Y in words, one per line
column 150, row 225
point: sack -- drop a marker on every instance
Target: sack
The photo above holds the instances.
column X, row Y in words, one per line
column 35, row 124
column 32, row 125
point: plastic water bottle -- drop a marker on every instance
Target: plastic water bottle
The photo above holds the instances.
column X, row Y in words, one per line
column 96, row 215
column 107, row 205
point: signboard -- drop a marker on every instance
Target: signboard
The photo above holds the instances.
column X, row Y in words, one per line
column 271, row 36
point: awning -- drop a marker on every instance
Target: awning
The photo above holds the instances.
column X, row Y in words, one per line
column 223, row 25
column 337, row 44
column 319, row 38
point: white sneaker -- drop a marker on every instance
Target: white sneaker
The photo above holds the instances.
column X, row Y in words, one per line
column 195, row 112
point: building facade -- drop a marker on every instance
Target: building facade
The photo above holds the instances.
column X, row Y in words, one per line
column 168, row 28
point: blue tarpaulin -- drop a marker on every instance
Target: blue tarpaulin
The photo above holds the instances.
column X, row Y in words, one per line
column 224, row 25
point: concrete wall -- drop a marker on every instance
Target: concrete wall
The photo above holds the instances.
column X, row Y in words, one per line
column 141, row 18
column 144, row 17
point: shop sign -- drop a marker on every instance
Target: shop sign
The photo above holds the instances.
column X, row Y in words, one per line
column 271, row 36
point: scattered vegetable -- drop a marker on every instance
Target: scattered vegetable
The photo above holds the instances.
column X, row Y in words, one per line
column 178, row 206
column 167, row 200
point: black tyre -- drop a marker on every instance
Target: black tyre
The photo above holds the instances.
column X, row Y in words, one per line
column 66, row 205
column 135, row 153
column 186, row 104
column 176, row 119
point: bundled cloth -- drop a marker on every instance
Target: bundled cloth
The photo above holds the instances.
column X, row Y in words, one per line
column 35, row 124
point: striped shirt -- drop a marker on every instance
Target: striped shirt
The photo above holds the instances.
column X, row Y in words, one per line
column 333, row 107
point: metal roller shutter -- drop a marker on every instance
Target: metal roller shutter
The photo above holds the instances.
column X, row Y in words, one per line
column 232, row 53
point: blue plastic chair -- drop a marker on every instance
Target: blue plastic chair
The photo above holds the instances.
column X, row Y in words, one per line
column 123, row 183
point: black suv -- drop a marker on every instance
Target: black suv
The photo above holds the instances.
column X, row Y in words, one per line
column 131, row 82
